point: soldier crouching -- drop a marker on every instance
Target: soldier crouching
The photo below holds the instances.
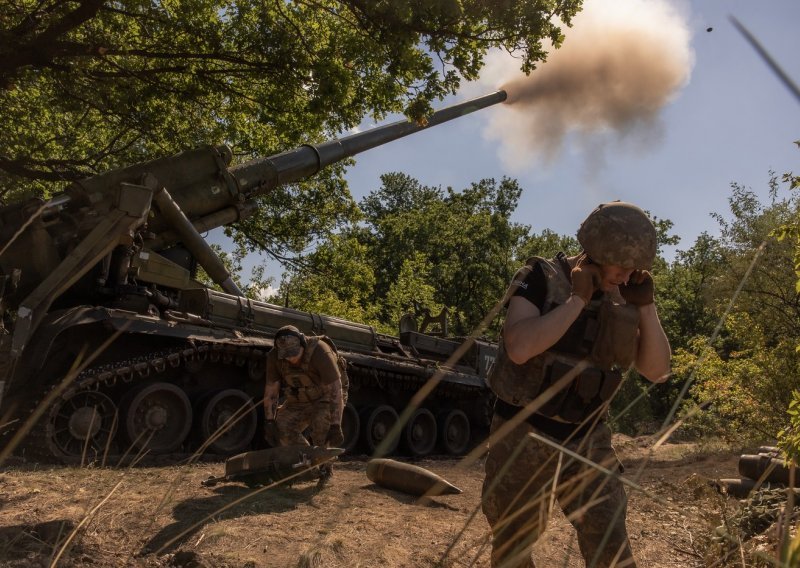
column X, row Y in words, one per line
column 307, row 370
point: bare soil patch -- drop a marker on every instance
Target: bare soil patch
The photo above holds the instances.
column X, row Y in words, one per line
column 164, row 517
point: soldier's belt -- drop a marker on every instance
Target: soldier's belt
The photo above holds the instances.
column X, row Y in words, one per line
column 553, row 428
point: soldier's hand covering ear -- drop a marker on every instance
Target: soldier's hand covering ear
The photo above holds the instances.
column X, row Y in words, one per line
column 271, row 433
column 585, row 279
column 335, row 436
column 639, row 290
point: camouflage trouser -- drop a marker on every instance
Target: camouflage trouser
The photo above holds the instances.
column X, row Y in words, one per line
column 518, row 490
column 294, row 417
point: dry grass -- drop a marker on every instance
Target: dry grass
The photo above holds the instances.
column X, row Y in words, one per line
column 152, row 518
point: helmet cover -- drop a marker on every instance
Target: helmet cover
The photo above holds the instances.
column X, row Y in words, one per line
column 289, row 341
column 619, row 233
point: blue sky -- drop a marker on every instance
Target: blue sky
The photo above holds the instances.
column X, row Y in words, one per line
column 731, row 121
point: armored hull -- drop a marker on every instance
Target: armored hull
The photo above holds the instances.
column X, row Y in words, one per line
column 113, row 382
column 110, row 348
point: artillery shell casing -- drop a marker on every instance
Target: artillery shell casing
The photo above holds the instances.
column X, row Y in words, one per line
column 408, row 478
column 773, row 469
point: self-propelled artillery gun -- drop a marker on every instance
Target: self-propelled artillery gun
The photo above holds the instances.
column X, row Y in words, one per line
column 109, row 345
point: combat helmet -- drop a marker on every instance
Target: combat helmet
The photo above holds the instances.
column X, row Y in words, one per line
column 289, row 341
column 619, row 233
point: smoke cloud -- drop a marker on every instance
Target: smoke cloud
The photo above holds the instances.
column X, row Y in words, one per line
column 621, row 63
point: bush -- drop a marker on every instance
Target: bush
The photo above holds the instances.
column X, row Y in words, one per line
column 632, row 409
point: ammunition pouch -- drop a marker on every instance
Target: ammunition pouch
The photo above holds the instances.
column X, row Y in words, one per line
column 588, row 392
column 579, row 339
column 304, row 394
column 295, row 378
column 519, row 385
column 516, row 384
column 617, row 336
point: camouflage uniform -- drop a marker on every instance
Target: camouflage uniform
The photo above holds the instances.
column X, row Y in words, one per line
column 307, row 387
column 518, row 490
column 294, row 417
column 525, row 476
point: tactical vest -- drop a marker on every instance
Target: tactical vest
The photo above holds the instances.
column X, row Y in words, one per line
column 341, row 362
column 603, row 339
column 302, row 382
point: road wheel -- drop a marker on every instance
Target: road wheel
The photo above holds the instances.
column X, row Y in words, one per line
column 419, row 434
column 82, row 425
column 228, row 422
column 378, row 426
column 454, row 432
column 157, row 417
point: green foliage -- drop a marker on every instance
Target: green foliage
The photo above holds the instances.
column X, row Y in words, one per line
column 425, row 245
column 746, row 390
column 411, row 288
column 631, row 410
column 790, row 232
column 789, row 437
column 687, row 307
column 769, row 294
column 466, row 239
column 335, row 280
column 685, row 302
column 547, row 244
column 93, row 85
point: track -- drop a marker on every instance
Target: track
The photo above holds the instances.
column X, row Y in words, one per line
column 199, row 399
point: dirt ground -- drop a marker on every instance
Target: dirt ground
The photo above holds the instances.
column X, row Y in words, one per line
column 162, row 516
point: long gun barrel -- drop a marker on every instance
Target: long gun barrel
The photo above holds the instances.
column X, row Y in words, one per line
column 212, row 194
column 213, row 207
column 262, row 175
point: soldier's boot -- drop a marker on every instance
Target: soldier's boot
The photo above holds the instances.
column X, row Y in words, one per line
column 325, row 472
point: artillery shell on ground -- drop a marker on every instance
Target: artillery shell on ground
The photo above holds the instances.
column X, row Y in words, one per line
column 408, row 478
column 771, row 469
column 738, row 488
column 262, row 467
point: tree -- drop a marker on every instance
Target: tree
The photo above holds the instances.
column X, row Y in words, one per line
column 791, row 230
column 88, row 85
column 466, row 238
column 769, row 294
column 789, row 437
column 747, row 376
column 747, row 389
column 685, row 304
column 547, row 244
column 336, row 280
column 411, row 289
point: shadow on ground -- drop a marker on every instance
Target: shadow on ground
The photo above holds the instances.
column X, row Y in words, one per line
column 41, row 540
column 193, row 514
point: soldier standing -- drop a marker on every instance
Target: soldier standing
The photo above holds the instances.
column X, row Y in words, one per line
column 307, row 370
column 573, row 326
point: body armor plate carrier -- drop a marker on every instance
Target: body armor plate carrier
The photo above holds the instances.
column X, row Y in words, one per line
column 604, row 336
column 302, row 381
